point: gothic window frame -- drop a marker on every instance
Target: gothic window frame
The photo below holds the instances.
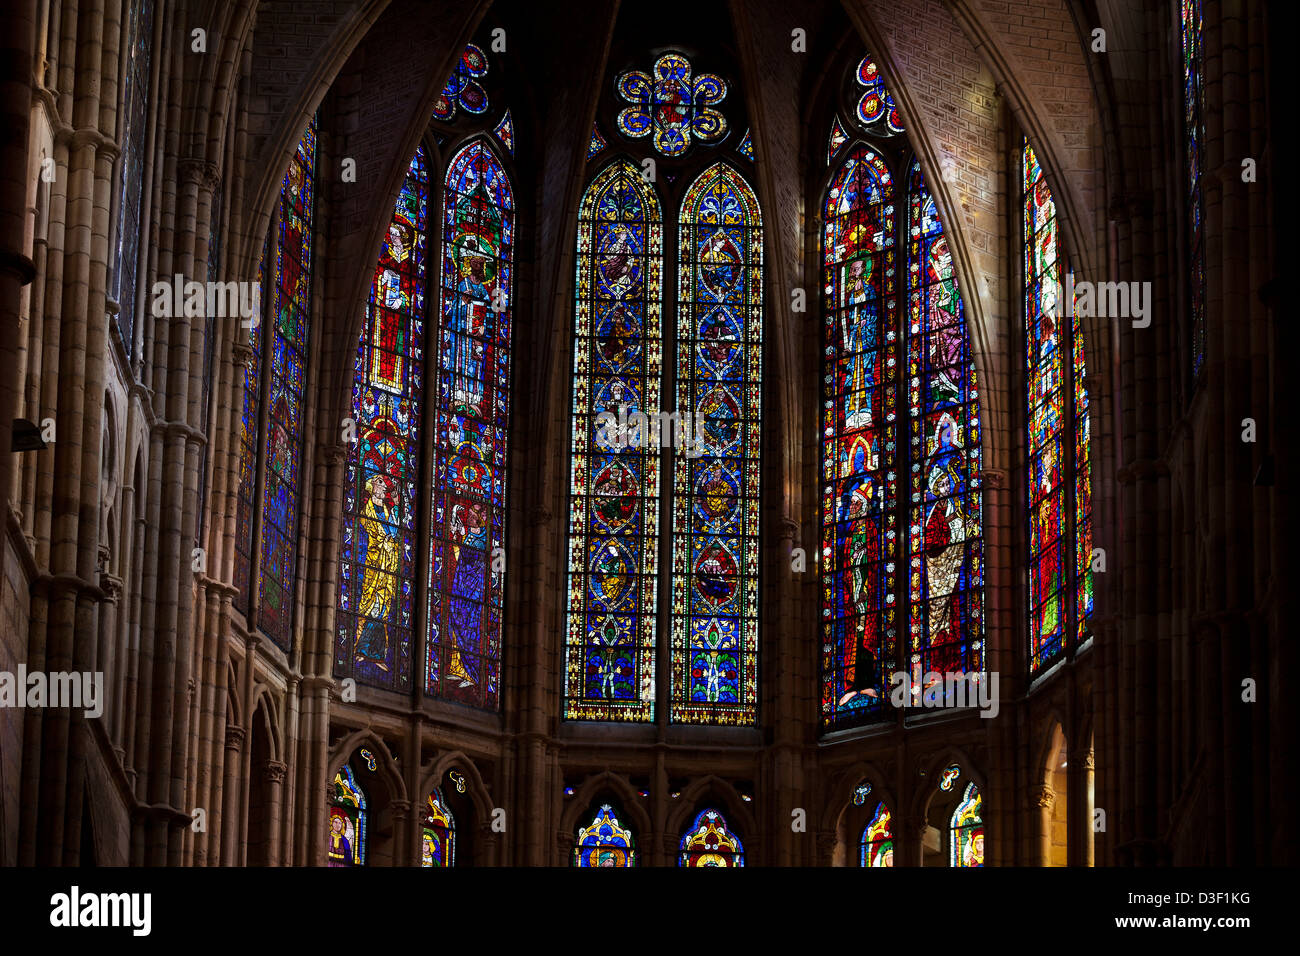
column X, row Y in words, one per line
column 848, row 139
column 255, row 457
column 674, row 179
column 1073, row 435
column 443, row 140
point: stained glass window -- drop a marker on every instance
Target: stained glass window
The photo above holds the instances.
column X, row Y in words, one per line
column 267, row 502
column 597, row 142
column 437, row 832
column 1194, row 127
column 282, row 444
column 605, row 842
column 873, row 571
column 716, row 484
column 135, row 98
column 945, row 562
column 674, row 104
column 249, row 425
column 505, row 131
column 467, row 551
column 346, row 841
column 860, row 539
column 746, row 147
column 376, row 561
column 876, row 109
column 837, row 139
column 966, row 831
column 860, row 793
column 614, row 485
column 876, row 848
column 1058, row 459
column 709, row 842
column 463, row 90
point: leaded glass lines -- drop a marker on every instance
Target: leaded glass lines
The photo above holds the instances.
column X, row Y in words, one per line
column 614, row 485
column 472, row 409
column 673, row 104
column 1058, row 468
column 945, row 549
column 716, row 486
column 376, row 561
column 859, row 481
column 285, row 367
column 902, row 558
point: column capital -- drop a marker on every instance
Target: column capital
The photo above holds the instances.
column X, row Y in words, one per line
column 275, row 770
column 234, row 738
column 335, row 454
column 993, row 478
column 1041, row 797
column 199, row 171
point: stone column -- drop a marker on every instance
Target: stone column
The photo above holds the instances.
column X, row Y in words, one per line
column 230, row 793
column 275, row 771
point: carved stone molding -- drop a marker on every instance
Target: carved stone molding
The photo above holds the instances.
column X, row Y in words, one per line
column 1042, row 797
column 199, row 171
column 111, row 586
column 241, row 353
column 335, row 454
column 993, row 478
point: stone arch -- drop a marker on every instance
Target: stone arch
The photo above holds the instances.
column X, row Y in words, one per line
column 388, row 807
column 587, row 798
column 843, row 822
column 262, row 820
column 711, row 791
column 933, row 806
column 1053, row 796
column 473, row 810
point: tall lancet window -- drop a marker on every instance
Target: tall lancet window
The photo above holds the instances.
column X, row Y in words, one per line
column 902, row 562
column 433, row 371
column 374, row 620
column 859, row 480
column 614, row 483
column 138, row 37
column 1059, row 473
column 1194, row 140
column 271, row 437
column 467, row 511
column 716, row 482
column 945, row 569
column 666, row 417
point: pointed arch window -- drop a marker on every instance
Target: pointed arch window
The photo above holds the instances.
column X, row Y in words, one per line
column 966, row 830
column 710, row 842
column 716, row 485
column 902, row 561
column 605, row 841
column 437, row 832
column 614, row 483
column 274, row 395
column 345, row 844
column 876, row 846
column 1059, row 473
column 455, row 402
column 681, row 438
column 374, row 618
